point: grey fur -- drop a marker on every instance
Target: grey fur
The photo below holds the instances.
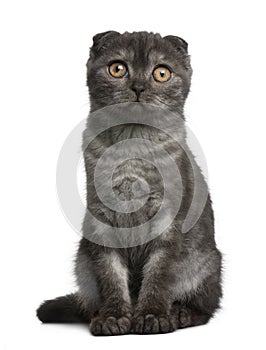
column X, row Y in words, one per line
column 173, row 281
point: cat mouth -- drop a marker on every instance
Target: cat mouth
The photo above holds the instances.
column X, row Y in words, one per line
column 138, row 100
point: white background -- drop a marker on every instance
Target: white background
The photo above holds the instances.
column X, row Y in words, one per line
column 44, row 47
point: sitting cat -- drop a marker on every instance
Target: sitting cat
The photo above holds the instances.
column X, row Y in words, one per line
column 174, row 280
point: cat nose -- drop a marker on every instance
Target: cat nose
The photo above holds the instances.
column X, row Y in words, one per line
column 137, row 89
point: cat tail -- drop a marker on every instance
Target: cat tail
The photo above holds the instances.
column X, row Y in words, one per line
column 62, row 310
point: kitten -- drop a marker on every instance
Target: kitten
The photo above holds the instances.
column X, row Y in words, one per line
column 174, row 280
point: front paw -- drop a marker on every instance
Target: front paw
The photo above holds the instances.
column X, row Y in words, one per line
column 110, row 325
column 152, row 324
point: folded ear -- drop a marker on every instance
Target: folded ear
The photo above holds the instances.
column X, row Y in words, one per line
column 100, row 38
column 177, row 42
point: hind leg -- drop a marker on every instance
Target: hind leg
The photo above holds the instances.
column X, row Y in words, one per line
column 200, row 306
column 187, row 317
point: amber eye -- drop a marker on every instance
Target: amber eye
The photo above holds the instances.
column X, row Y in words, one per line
column 161, row 74
column 117, row 70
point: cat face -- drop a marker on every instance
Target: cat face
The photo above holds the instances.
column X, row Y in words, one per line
column 138, row 67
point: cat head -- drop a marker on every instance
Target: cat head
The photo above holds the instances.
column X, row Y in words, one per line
column 138, row 67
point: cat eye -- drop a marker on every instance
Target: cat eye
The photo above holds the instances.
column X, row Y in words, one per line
column 118, row 70
column 161, row 74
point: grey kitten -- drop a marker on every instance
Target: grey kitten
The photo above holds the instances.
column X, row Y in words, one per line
column 174, row 280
